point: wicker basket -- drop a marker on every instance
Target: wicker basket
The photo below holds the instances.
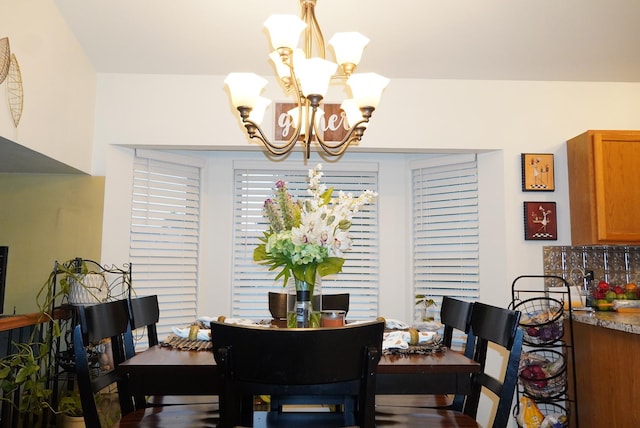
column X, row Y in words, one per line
column 541, row 320
column 547, row 409
column 552, row 383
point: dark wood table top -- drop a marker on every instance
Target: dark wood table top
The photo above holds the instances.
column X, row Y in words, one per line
column 164, row 370
column 165, row 358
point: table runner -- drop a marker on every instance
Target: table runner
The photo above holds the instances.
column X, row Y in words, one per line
column 185, row 344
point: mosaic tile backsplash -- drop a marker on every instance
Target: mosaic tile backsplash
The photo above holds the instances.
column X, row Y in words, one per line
column 616, row 264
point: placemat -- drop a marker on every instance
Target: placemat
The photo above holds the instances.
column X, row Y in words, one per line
column 422, row 349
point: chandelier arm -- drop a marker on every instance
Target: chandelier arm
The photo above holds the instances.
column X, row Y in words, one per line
column 356, row 128
column 340, row 147
column 312, row 30
column 276, row 149
column 300, row 98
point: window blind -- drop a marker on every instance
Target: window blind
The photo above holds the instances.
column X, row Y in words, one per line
column 165, row 224
column 252, row 281
column 445, row 227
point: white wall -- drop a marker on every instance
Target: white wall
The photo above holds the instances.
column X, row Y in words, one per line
column 58, row 84
column 499, row 120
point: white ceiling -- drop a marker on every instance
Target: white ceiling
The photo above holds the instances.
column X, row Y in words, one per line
column 562, row 40
column 578, row 40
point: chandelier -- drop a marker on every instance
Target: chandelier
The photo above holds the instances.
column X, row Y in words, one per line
column 307, row 78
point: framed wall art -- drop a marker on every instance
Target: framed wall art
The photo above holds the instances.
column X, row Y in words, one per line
column 537, row 172
column 540, row 221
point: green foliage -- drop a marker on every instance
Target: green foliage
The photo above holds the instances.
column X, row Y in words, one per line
column 29, row 370
column 422, row 299
column 70, row 404
column 26, row 371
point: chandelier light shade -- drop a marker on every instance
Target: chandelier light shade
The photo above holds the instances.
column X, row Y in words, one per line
column 366, row 88
column 247, row 88
column 306, row 74
column 284, row 31
column 294, row 112
column 260, row 107
column 314, row 75
column 348, row 47
column 352, row 112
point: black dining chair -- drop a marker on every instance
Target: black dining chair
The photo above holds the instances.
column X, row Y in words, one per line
column 108, row 325
column 455, row 316
column 337, row 302
column 144, row 313
column 490, row 324
column 102, row 323
column 278, row 305
column 316, row 366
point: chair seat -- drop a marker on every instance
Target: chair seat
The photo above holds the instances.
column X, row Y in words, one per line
column 188, row 416
column 407, row 417
column 419, row 401
column 304, row 419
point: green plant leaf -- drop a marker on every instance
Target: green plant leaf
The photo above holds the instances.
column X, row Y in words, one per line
column 260, row 253
column 4, row 372
column 26, row 371
column 330, row 266
column 56, row 328
column 326, row 196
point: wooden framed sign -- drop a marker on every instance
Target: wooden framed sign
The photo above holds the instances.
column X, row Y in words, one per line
column 537, row 172
column 540, row 221
column 333, row 127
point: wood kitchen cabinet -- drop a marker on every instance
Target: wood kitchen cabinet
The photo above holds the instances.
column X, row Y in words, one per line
column 606, row 373
column 604, row 187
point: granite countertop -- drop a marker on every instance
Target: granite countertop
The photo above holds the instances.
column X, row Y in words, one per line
column 627, row 322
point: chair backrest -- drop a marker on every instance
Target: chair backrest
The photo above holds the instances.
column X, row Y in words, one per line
column 492, row 324
column 99, row 323
column 317, row 362
column 278, row 305
column 455, row 314
column 337, row 302
column 144, row 312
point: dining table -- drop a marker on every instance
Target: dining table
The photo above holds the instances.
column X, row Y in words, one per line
column 162, row 370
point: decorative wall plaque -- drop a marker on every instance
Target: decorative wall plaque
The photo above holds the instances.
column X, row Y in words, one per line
column 332, row 124
column 540, row 221
column 537, row 172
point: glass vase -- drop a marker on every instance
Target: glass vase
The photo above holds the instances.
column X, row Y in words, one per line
column 426, row 318
column 304, row 303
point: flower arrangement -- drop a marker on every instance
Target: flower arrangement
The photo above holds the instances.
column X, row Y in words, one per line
column 308, row 238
